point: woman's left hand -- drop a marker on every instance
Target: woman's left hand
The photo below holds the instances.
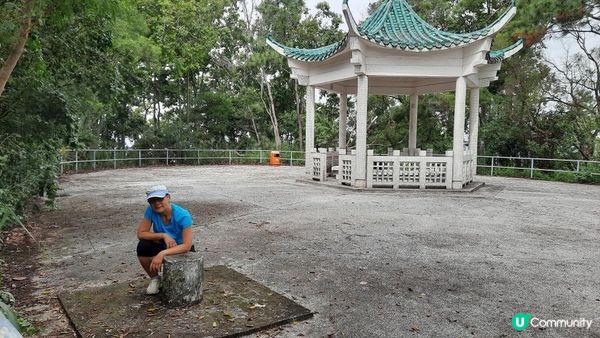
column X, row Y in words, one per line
column 157, row 262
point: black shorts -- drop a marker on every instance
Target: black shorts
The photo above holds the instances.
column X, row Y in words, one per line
column 146, row 248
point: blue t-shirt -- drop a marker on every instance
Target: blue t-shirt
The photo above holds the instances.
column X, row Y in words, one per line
column 180, row 219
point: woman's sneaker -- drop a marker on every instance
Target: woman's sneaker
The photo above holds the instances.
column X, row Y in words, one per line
column 153, row 287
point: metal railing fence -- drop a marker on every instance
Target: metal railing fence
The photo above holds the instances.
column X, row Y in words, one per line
column 96, row 159
column 533, row 165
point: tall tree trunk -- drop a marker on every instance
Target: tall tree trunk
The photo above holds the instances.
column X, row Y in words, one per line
column 158, row 115
column 299, row 114
column 154, row 110
column 157, row 110
column 275, row 122
column 254, row 127
column 270, row 106
column 19, row 46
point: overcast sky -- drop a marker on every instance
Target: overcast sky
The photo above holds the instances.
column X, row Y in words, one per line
column 358, row 8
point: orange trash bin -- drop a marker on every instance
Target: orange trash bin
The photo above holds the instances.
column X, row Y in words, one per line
column 274, row 158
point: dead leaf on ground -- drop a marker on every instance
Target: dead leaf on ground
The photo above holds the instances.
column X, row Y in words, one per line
column 256, row 305
column 227, row 313
column 19, row 278
column 415, row 329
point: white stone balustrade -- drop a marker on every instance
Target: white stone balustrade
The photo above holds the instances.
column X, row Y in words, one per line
column 322, row 161
column 346, row 165
column 395, row 171
column 319, row 165
column 398, row 171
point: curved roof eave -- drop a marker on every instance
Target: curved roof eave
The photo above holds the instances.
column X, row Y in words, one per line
column 278, row 47
column 309, row 55
column 496, row 56
column 350, row 22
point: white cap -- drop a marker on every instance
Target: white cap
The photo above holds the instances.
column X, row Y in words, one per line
column 159, row 191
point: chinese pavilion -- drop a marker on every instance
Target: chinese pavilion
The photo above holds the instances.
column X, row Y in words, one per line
column 395, row 52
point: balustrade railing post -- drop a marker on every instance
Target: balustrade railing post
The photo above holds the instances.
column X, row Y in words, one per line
column 62, row 166
column 94, row 162
column 492, row 167
column 229, row 157
column 260, row 157
column 531, row 173
column 577, row 166
column 76, row 160
column 167, row 156
column 291, row 158
column 139, row 158
column 114, row 158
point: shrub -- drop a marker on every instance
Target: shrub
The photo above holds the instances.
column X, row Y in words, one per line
column 26, row 170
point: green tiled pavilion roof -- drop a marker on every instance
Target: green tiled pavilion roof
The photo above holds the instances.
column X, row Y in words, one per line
column 308, row 55
column 496, row 56
column 395, row 24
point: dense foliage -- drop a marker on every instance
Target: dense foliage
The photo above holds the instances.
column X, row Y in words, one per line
column 183, row 74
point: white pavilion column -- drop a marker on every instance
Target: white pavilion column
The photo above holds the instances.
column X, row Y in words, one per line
column 474, row 125
column 362, row 97
column 412, row 128
column 459, row 132
column 310, row 126
column 343, row 121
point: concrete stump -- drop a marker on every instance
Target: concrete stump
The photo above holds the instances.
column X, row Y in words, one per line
column 182, row 279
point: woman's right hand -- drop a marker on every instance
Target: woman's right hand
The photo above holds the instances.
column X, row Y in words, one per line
column 170, row 242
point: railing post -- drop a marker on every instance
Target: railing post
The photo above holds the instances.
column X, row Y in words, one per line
column 94, row 157
column 577, row 166
column 62, row 166
column 260, row 157
column 167, row 156
column 140, row 158
column 492, row 167
column 76, row 160
column 198, row 156
column 229, row 157
column 531, row 174
column 115, row 158
column 291, row 158
column 423, row 169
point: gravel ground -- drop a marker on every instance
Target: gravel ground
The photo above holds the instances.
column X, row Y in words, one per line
column 369, row 264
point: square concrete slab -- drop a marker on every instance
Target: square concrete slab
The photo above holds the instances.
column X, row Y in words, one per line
column 232, row 305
